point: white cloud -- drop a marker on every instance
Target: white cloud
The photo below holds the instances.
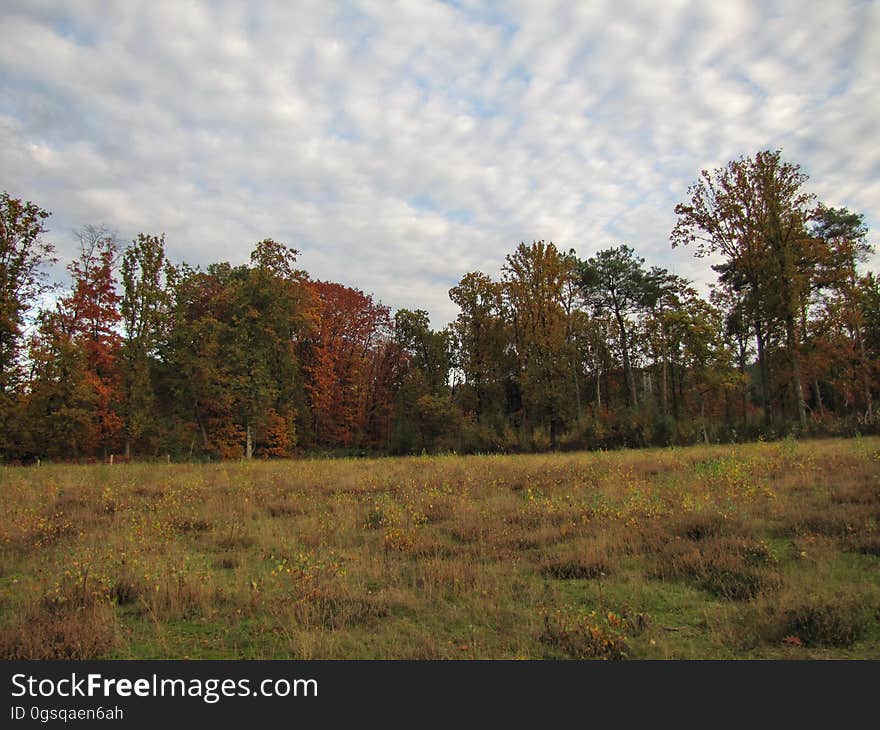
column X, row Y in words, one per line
column 400, row 145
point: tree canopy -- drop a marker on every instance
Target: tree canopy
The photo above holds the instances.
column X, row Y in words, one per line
column 139, row 356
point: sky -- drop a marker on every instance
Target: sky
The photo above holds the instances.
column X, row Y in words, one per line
column 399, row 145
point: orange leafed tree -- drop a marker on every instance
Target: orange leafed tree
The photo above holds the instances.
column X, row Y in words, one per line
column 92, row 314
column 345, row 356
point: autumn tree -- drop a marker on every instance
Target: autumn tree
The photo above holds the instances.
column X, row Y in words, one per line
column 92, row 314
column 534, row 281
column 595, row 336
column 343, row 357
column 229, row 362
column 754, row 212
column 736, row 336
column 23, row 255
column 74, row 387
column 868, row 298
column 702, row 369
column 663, row 296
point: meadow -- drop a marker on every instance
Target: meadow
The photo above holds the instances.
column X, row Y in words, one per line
column 766, row 550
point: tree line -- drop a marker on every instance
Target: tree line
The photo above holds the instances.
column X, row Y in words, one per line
column 140, row 357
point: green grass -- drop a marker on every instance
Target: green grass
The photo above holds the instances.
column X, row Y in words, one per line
column 753, row 551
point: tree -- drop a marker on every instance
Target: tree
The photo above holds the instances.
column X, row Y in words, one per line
column 191, row 359
column 423, row 391
column 868, row 297
column 430, row 350
column 754, row 212
column 615, row 280
column 74, row 386
column 664, row 294
column 481, row 338
column 147, row 279
column 267, row 310
column 60, row 403
column 229, row 362
column 91, row 312
column 736, row 335
column 699, row 357
column 845, row 246
column 24, row 254
column 342, row 359
column 534, row 285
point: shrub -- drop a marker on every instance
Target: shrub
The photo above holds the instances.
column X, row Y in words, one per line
column 840, row 520
column 817, row 621
column 586, row 635
column 737, row 583
column 735, row 570
column 577, row 567
column 84, row 633
column 867, row 544
column 702, row 525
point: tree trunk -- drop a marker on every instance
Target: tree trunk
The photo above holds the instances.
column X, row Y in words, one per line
column 745, row 387
column 664, row 387
column 869, row 405
column 819, row 404
column 703, row 419
column 796, row 372
column 762, row 368
column 675, row 401
column 249, row 443
column 632, row 396
column 201, row 423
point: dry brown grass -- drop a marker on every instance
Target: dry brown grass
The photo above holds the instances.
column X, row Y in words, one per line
column 701, row 552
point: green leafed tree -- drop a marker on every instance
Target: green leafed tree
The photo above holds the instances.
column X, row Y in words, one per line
column 24, row 255
column 147, row 281
column 615, row 280
column 481, row 338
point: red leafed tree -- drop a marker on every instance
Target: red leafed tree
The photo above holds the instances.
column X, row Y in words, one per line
column 91, row 314
column 346, row 362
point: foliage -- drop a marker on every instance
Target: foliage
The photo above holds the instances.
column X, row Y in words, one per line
column 139, row 357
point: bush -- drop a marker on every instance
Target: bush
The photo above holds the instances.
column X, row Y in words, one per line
column 729, row 568
column 840, row 520
column 703, row 525
column 817, row 621
column 868, row 544
column 85, row 633
column 586, row 635
column 577, row 568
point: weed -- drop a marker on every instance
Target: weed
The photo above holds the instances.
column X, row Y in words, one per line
column 582, row 635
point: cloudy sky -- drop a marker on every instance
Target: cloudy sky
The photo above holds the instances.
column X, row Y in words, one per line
column 399, row 145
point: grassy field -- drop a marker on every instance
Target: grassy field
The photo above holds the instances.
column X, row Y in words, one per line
column 763, row 550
